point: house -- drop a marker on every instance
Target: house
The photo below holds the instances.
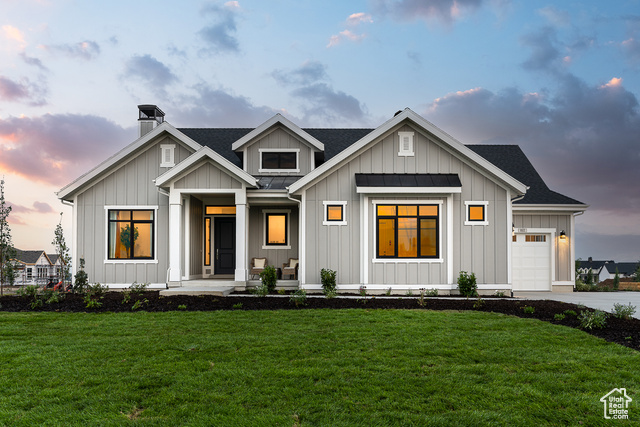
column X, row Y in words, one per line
column 624, row 269
column 35, row 267
column 401, row 206
column 600, row 270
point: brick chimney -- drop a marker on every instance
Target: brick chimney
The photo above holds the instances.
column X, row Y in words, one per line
column 149, row 116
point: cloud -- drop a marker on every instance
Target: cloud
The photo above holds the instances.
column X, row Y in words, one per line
column 544, row 49
column 56, row 148
column 218, row 108
column 582, row 138
column 354, row 20
column 25, row 90
column 150, row 71
column 14, row 34
column 85, row 50
column 359, row 18
column 446, row 11
column 220, row 35
column 322, row 104
column 555, row 16
column 38, row 207
column 33, row 61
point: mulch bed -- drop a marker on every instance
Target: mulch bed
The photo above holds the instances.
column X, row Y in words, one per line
column 620, row 331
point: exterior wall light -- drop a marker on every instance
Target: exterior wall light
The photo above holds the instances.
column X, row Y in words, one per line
column 563, row 235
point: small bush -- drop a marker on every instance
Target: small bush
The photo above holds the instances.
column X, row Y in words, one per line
column 261, row 291
column 138, row 288
column 431, row 292
column 282, row 291
column 82, row 279
column 182, row 307
column 94, row 293
column 528, row 309
column 328, row 280
column 499, row 294
column 467, row 284
column 388, row 291
column 478, row 303
column 570, row 313
column 50, row 296
column 421, row 301
column 622, row 311
column 28, row 291
column 139, row 304
column 269, row 278
column 236, row 305
column 592, row 319
column 558, row 316
column 409, row 292
column 299, row 297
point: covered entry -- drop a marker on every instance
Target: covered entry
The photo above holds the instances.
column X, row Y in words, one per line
column 532, row 255
column 219, row 240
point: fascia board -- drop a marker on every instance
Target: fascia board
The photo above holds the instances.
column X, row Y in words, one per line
column 66, row 191
column 549, row 208
column 421, row 122
column 409, row 190
column 203, row 152
column 278, row 119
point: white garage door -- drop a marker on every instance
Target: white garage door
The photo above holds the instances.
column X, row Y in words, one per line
column 531, row 261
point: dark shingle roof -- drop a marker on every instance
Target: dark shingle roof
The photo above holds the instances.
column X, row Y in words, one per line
column 407, row 180
column 509, row 158
column 512, row 160
column 28, row 257
column 625, row 268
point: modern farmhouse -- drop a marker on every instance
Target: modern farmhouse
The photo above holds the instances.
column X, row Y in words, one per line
column 402, row 206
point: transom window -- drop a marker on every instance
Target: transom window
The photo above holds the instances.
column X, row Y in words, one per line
column 130, row 234
column 220, row 210
column 407, row 231
column 535, row 238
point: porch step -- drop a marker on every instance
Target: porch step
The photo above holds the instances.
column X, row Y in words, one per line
column 221, row 291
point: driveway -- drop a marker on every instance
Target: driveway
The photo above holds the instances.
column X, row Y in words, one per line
column 601, row 300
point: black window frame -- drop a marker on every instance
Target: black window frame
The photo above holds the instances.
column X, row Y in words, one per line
column 280, row 160
column 341, row 213
column 131, row 222
column 484, row 212
column 286, row 228
column 418, row 217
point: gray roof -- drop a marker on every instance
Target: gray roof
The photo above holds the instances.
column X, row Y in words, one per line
column 408, row 180
column 28, row 257
column 596, row 265
column 276, row 182
column 509, row 158
column 625, row 268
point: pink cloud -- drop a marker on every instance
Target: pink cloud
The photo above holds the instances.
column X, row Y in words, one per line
column 345, row 35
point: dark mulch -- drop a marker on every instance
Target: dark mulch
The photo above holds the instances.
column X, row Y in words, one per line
column 620, row 331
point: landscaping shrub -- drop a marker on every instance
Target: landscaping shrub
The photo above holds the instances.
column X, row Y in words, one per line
column 328, row 280
column 269, row 278
column 467, row 284
column 622, row 311
column 261, row 291
column 299, row 297
column 592, row 319
column 82, row 279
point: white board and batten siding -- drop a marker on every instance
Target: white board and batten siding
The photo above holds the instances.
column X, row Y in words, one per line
column 479, row 249
column 129, row 184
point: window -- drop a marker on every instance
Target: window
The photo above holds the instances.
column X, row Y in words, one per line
column 476, row 213
column 405, row 144
column 334, row 213
column 279, row 160
column 535, row 238
column 407, row 231
column 130, row 234
column 276, row 229
column 220, row 210
column 167, row 153
column 207, row 241
column 29, row 273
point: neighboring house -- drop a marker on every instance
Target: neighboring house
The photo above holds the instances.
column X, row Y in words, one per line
column 625, row 269
column 34, row 267
column 404, row 206
column 599, row 270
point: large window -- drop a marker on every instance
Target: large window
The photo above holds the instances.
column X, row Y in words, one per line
column 275, row 160
column 407, row 231
column 130, row 234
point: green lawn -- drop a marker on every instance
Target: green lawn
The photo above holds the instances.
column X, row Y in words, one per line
column 307, row 367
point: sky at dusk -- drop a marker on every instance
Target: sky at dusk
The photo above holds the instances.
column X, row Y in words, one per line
column 559, row 78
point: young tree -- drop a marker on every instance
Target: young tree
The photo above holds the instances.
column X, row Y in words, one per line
column 589, row 280
column 616, row 280
column 7, row 252
column 62, row 250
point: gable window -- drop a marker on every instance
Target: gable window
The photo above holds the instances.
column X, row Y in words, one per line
column 407, row 231
column 130, row 234
column 476, row 213
column 279, row 160
column 167, row 155
column 405, row 144
column 334, row 213
column 276, row 229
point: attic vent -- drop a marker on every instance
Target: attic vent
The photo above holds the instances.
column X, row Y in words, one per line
column 167, row 153
column 405, row 144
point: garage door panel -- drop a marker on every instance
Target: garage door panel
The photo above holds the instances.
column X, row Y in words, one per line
column 531, row 262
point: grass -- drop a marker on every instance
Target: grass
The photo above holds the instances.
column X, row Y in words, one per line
column 309, row 367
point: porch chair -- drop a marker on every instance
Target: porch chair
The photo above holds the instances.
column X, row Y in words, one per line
column 257, row 266
column 290, row 268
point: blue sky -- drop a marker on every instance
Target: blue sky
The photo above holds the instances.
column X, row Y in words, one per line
column 561, row 79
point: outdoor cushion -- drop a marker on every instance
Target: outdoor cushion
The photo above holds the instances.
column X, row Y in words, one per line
column 293, row 263
column 259, row 262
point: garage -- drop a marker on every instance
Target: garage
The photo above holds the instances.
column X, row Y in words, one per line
column 531, row 261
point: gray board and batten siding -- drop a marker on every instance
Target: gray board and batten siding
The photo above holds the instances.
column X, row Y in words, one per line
column 480, row 249
column 276, row 139
column 127, row 184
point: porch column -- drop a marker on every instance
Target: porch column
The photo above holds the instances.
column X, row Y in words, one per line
column 175, row 242
column 241, row 242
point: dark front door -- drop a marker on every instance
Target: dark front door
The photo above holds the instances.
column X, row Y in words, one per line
column 224, row 246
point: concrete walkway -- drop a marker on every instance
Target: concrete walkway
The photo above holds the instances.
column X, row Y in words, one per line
column 601, row 300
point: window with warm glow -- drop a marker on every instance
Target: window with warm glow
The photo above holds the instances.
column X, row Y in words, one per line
column 207, row 241
column 476, row 213
column 276, row 229
column 220, row 210
column 130, row 234
column 407, row 231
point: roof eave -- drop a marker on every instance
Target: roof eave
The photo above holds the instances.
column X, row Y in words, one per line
column 278, row 119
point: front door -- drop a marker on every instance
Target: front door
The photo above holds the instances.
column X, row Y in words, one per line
column 224, row 245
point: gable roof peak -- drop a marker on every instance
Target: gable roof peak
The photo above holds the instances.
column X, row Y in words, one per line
column 282, row 120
